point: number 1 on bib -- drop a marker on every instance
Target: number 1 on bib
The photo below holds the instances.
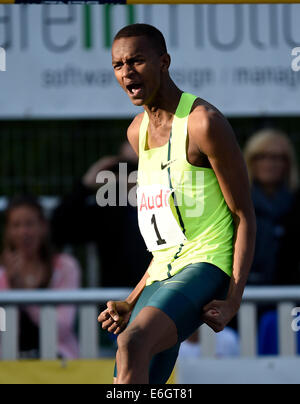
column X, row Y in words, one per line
column 159, row 240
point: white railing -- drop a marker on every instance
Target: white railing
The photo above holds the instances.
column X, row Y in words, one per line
column 285, row 297
column 88, row 301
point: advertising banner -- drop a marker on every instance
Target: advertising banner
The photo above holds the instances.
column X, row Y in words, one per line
column 243, row 58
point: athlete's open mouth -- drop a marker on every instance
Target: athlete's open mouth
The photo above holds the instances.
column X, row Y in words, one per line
column 134, row 89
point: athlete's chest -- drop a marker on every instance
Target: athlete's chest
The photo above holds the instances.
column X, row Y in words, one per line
column 160, row 136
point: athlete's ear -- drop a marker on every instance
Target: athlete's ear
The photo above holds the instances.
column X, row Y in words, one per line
column 165, row 61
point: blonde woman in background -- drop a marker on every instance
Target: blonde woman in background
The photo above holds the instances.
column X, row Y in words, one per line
column 273, row 173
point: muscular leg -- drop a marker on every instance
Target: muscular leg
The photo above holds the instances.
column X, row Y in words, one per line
column 117, row 359
column 151, row 332
column 177, row 303
column 162, row 365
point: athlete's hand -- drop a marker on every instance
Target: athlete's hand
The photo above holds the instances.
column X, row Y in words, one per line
column 115, row 318
column 218, row 313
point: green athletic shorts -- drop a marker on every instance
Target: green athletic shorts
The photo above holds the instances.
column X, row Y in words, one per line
column 182, row 297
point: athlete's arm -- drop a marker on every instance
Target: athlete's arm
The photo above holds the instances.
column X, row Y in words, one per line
column 214, row 137
column 116, row 316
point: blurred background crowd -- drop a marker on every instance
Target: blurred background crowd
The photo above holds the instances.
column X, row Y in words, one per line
column 54, row 235
column 42, row 250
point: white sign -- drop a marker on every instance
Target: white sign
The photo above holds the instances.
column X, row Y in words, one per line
column 236, row 56
column 258, row 370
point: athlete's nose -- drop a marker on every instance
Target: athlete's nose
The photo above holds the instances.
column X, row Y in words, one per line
column 127, row 70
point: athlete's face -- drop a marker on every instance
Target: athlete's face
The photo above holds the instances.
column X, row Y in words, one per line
column 138, row 68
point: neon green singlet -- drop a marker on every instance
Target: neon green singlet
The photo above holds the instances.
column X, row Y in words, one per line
column 197, row 203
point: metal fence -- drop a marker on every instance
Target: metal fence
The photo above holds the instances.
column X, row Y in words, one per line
column 88, row 301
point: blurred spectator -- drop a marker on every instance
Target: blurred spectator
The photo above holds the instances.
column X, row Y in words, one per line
column 268, row 340
column 272, row 169
column 28, row 262
column 79, row 220
column 227, row 345
column 291, row 261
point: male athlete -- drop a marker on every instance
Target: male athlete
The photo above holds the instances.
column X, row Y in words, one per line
column 194, row 209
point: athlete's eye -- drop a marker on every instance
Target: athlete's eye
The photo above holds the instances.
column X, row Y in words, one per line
column 139, row 61
column 117, row 66
column 135, row 61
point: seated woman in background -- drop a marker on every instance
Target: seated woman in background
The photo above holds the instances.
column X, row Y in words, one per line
column 272, row 169
column 28, row 262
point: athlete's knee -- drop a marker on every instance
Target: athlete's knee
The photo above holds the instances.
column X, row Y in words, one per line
column 131, row 341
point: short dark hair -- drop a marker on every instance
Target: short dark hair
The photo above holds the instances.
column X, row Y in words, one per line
column 153, row 35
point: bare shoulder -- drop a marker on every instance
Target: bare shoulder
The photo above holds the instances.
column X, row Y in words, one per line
column 208, row 126
column 133, row 132
column 205, row 116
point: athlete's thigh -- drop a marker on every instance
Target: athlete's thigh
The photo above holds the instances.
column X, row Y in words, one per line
column 159, row 336
column 183, row 296
column 143, row 300
column 156, row 329
column 141, row 303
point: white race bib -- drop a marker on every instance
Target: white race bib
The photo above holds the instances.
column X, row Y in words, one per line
column 157, row 223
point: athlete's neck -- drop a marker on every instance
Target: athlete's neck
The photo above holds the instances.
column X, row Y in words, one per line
column 162, row 107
